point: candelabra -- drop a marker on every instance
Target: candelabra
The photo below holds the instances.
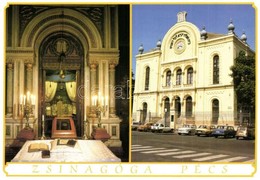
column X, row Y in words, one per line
column 27, row 103
column 100, row 106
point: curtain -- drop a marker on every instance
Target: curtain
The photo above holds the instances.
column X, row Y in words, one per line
column 50, row 90
column 71, row 90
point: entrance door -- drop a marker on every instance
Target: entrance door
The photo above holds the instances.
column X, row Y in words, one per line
column 215, row 111
column 144, row 113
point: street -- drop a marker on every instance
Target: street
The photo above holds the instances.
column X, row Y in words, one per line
column 170, row 147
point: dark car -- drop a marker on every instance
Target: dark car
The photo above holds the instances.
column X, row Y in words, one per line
column 245, row 132
column 225, row 131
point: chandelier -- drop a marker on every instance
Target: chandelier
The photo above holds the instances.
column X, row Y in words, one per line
column 62, row 55
column 61, row 59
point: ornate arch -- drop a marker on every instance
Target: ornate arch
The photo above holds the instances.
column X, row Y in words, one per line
column 53, row 20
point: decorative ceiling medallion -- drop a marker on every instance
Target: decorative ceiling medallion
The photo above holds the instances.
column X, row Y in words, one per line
column 179, row 46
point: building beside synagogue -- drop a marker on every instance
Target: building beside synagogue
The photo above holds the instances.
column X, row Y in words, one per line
column 186, row 78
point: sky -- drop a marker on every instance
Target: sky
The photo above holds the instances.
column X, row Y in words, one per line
column 151, row 22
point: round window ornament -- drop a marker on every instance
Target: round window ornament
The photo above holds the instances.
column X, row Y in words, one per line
column 179, row 46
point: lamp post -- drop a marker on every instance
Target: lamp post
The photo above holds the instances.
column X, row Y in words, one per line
column 100, row 103
column 27, row 103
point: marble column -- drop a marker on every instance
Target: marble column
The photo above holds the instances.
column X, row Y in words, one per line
column 112, row 89
column 9, row 89
column 93, row 84
column 29, row 73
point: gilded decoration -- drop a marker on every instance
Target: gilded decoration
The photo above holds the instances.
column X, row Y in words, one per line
column 28, row 12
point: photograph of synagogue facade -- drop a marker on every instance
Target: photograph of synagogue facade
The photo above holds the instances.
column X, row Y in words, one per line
column 62, row 67
column 186, row 78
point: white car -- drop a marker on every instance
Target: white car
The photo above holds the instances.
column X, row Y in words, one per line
column 188, row 129
column 158, row 127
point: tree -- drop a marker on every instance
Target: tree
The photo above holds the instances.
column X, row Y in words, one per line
column 243, row 73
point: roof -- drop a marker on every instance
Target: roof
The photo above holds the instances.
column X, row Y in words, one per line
column 214, row 35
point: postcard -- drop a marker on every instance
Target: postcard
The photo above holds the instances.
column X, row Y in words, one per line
column 146, row 89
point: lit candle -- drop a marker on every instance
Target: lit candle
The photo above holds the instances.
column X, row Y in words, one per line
column 106, row 101
column 24, row 99
column 99, row 98
column 28, row 97
column 21, row 99
column 96, row 98
column 93, row 100
column 33, row 99
column 102, row 101
column 42, row 117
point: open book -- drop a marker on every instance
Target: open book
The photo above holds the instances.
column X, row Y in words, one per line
column 37, row 147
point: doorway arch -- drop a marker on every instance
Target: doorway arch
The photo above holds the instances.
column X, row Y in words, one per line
column 61, row 73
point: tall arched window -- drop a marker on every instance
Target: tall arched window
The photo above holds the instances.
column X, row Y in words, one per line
column 177, row 106
column 215, row 111
column 147, row 78
column 216, row 69
column 178, row 77
column 190, row 76
column 168, row 78
column 188, row 107
column 144, row 112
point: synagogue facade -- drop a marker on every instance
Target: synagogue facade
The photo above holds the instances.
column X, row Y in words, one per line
column 186, row 78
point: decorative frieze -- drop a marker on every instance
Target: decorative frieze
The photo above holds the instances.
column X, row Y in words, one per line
column 25, row 56
column 214, row 92
column 111, row 56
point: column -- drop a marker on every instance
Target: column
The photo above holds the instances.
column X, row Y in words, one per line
column 9, row 89
column 112, row 90
column 93, row 80
column 29, row 73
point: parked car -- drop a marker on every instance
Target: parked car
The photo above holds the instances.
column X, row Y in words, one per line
column 225, row 131
column 188, row 129
column 245, row 132
column 135, row 125
column 159, row 127
column 145, row 127
column 205, row 130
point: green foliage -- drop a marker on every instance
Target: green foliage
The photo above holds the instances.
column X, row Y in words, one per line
column 243, row 73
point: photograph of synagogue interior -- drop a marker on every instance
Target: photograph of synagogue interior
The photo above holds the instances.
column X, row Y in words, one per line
column 67, row 70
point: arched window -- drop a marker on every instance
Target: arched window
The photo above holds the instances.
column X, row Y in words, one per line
column 168, row 78
column 188, row 106
column 215, row 111
column 178, row 106
column 178, row 77
column 216, row 69
column 147, row 78
column 190, row 76
column 144, row 112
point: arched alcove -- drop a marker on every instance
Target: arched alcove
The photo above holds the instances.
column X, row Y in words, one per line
column 61, row 73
